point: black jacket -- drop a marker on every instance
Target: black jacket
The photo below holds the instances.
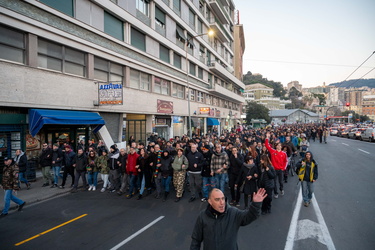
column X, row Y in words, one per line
column 266, row 177
column 206, row 167
column 122, row 159
column 235, row 164
column 22, row 162
column 45, row 158
column 195, row 158
column 219, row 231
column 81, row 162
column 57, row 157
column 250, row 186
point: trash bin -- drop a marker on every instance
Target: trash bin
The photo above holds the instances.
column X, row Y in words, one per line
column 31, row 169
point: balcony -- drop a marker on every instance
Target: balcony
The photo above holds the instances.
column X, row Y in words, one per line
column 225, row 93
column 219, row 9
column 219, row 30
column 218, row 69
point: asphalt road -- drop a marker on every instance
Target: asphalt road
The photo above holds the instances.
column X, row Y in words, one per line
column 343, row 193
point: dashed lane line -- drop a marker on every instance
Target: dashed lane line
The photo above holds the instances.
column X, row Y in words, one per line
column 136, row 233
column 363, row 151
column 345, row 144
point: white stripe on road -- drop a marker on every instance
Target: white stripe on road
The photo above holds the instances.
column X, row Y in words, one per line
column 345, row 144
column 363, row 151
column 293, row 233
column 136, row 234
column 293, row 223
column 323, row 226
column 333, row 140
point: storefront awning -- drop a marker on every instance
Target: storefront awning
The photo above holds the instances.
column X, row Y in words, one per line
column 40, row 117
column 212, row 121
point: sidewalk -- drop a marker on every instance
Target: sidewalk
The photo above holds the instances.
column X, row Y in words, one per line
column 36, row 193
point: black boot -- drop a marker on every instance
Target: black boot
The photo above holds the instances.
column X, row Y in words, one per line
column 165, row 196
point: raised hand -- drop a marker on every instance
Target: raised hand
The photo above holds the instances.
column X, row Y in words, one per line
column 260, row 195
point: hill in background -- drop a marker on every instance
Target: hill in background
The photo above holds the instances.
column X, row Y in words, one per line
column 355, row 83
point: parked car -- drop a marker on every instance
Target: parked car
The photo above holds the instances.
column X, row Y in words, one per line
column 355, row 133
column 343, row 132
column 368, row 134
column 333, row 131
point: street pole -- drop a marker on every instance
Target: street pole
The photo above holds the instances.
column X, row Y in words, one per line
column 210, row 33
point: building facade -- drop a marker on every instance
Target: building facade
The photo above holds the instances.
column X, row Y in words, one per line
column 141, row 65
column 368, row 106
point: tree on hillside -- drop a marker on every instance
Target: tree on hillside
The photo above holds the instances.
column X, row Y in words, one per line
column 321, row 97
column 256, row 111
column 293, row 92
column 278, row 88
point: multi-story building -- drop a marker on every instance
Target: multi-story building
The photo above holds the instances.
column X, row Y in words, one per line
column 262, row 94
column 368, row 106
column 296, row 85
column 134, row 66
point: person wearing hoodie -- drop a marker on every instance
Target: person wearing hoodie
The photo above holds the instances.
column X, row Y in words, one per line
column 114, row 172
column 217, row 226
column 57, row 161
column 21, row 162
column 166, row 171
column 247, row 179
column 219, row 167
column 196, row 161
column 68, row 169
column 79, row 163
column 132, row 171
column 307, row 171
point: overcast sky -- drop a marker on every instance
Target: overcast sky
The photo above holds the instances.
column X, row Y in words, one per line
column 308, row 41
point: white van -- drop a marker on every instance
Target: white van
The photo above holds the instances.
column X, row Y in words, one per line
column 368, row 134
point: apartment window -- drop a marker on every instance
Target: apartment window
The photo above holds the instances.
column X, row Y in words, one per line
column 161, row 86
column 192, row 68
column 177, row 6
column 139, row 80
column 209, row 80
column 113, row 26
column 208, row 56
column 107, row 71
column 61, row 58
column 192, row 95
column 138, row 39
column 143, row 6
column 12, row 45
column 178, row 91
column 177, row 60
column 200, row 73
column 200, row 26
column 201, row 6
column 199, row 96
column 190, row 44
column 159, row 17
column 164, row 53
column 215, row 101
column 65, row 6
column 191, row 19
column 208, row 99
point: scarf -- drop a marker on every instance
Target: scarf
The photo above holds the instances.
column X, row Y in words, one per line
column 157, row 168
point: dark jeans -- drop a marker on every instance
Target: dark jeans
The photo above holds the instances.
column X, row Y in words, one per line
column 234, row 192
column 68, row 170
column 132, row 183
column 79, row 174
column 279, row 177
column 266, row 205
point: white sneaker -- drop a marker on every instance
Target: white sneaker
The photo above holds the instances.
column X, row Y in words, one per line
column 282, row 192
column 276, row 196
column 93, row 188
column 90, row 188
column 103, row 190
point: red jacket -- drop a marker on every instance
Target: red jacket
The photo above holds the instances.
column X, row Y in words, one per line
column 131, row 163
column 279, row 159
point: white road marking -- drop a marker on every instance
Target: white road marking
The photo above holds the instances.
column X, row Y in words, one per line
column 323, row 226
column 333, row 140
column 363, row 151
column 136, row 234
column 293, row 223
column 345, row 144
column 307, row 229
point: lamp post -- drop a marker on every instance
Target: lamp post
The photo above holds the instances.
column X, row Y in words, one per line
column 210, row 33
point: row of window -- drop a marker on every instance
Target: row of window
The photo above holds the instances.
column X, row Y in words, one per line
column 65, row 59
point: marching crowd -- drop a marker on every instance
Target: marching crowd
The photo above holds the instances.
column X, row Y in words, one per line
column 241, row 160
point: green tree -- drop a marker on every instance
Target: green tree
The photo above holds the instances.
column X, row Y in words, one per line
column 321, row 97
column 356, row 117
column 256, row 111
column 278, row 88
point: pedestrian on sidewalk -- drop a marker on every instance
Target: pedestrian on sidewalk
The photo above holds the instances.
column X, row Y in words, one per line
column 307, row 171
column 21, row 162
column 45, row 160
column 57, row 161
column 10, row 184
column 80, row 163
column 92, row 170
column 104, row 169
column 68, row 169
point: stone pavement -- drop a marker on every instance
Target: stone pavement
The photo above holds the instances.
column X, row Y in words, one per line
column 38, row 193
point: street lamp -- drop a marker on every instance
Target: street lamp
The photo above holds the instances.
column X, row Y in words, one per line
column 209, row 33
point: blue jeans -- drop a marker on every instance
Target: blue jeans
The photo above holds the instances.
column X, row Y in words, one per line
column 307, row 190
column 56, row 174
column 8, row 196
column 142, row 184
column 21, row 177
column 133, row 183
column 165, row 183
column 92, row 178
column 207, row 186
column 220, row 180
